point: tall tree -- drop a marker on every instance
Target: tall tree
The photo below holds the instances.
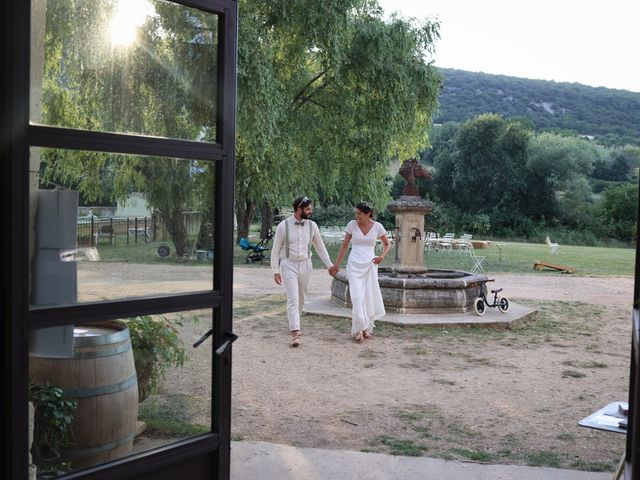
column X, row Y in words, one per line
column 161, row 85
column 490, row 160
column 617, row 214
column 556, row 164
column 328, row 92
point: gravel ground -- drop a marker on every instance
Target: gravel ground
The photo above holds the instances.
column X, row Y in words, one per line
column 510, row 397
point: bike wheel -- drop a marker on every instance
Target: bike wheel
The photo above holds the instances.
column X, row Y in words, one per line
column 503, row 304
column 479, row 306
column 163, row 251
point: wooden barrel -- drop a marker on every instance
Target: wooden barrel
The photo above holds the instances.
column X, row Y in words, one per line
column 101, row 376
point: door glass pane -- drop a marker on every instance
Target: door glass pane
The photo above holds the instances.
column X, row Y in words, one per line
column 127, row 66
column 110, row 227
column 106, row 390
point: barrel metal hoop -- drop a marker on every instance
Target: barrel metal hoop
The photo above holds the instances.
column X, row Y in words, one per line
column 107, row 352
column 72, row 453
column 103, row 390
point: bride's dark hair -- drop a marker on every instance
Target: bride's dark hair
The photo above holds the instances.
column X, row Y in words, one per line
column 364, row 207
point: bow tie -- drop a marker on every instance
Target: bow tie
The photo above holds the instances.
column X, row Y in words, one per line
column 300, row 223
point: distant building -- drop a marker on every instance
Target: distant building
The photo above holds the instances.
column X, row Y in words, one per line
column 134, row 206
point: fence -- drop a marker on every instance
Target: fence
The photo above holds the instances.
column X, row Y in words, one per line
column 94, row 230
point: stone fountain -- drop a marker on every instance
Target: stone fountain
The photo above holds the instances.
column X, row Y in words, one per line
column 409, row 286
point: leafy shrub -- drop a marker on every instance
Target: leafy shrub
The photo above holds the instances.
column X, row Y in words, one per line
column 445, row 217
column 476, row 224
column 156, row 347
column 52, row 426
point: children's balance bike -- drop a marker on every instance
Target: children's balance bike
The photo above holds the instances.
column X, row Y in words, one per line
column 481, row 303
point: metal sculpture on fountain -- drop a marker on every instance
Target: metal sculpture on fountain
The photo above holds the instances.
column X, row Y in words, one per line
column 409, row 286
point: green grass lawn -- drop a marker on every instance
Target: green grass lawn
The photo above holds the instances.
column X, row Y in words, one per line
column 520, row 257
column 510, row 258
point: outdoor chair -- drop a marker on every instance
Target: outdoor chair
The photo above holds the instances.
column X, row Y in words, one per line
column 477, row 261
column 464, row 244
column 105, row 231
column 446, row 242
column 431, row 241
column 552, row 246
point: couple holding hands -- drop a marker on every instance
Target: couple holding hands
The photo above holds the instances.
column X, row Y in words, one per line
column 292, row 268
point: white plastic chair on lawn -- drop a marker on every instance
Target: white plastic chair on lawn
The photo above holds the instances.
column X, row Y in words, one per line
column 431, row 241
column 465, row 242
column 552, row 246
column 477, row 261
column 446, row 242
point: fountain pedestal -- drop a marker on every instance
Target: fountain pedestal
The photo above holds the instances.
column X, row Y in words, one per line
column 409, row 241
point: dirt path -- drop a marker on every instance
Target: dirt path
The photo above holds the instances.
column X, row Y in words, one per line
column 505, row 397
column 510, row 397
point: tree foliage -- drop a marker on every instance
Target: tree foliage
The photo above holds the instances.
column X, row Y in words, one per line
column 163, row 85
column 328, row 93
column 618, row 213
column 494, row 173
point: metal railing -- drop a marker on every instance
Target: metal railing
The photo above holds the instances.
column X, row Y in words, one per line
column 94, row 230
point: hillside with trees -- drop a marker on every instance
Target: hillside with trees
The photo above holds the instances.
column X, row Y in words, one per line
column 611, row 116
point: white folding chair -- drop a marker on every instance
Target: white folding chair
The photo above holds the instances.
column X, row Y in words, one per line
column 552, row 246
column 477, row 261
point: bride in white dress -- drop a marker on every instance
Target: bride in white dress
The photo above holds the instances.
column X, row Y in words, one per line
column 362, row 270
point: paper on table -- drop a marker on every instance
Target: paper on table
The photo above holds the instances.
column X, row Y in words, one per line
column 606, row 420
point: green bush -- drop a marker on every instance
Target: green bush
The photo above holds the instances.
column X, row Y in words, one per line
column 476, row 224
column 156, row 347
column 444, row 217
column 52, row 426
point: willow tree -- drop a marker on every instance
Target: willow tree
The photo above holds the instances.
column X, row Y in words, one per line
column 163, row 85
column 328, row 93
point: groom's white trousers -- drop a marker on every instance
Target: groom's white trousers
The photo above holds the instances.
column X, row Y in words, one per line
column 296, row 275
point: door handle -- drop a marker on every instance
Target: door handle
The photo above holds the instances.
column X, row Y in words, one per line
column 228, row 338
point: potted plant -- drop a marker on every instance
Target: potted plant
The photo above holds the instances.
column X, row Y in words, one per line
column 156, row 347
column 53, row 415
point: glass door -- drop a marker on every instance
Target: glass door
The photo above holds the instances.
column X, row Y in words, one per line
column 118, row 142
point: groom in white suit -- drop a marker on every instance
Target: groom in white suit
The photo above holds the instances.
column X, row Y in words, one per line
column 291, row 259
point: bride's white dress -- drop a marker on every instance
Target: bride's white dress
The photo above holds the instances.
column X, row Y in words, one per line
column 362, row 275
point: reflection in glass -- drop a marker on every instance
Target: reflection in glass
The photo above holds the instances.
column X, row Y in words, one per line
column 126, row 66
column 123, row 387
column 123, row 226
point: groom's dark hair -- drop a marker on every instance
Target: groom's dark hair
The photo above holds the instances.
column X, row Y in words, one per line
column 301, row 202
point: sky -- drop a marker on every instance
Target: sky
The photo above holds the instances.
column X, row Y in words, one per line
column 595, row 43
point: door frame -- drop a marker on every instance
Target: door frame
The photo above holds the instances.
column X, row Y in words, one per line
column 205, row 456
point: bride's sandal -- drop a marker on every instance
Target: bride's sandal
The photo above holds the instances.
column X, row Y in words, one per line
column 358, row 338
column 366, row 334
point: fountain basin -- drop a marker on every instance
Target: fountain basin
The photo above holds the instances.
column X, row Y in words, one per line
column 435, row 291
